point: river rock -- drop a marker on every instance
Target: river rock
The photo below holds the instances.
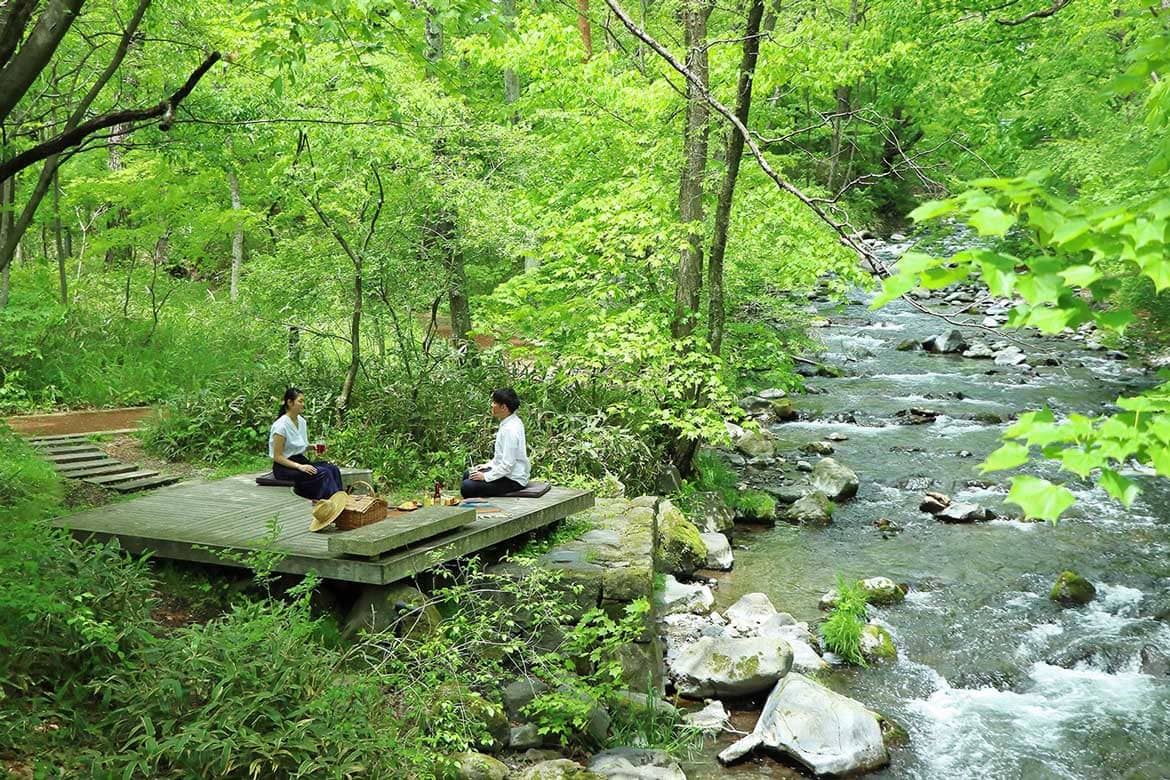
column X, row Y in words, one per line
column 710, row 720
column 719, row 555
column 783, row 410
column 882, row 591
column 678, row 545
column 812, row 509
column 804, row 465
column 746, row 615
column 525, row 736
column 1155, row 662
column 805, row 658
column 915, row 416
column 835, row 480
column 519, row 694
column 950, row 343
column 753, row 404
column 1071, row 588
column 756, row 444
column 1010, row 356
column 558, row 769
column 907, row 345
column 772, row 393
column 817, row 448
column 963, row 512
column 785, row 494
column 678, row 597
column 625, row 763
column 734, row 432
column 713, row 514
column 836, row 436
column 477, row 766
column 876, row 644
column 829, row 733
column 934, row 502
column 728, row 666
column 979, row 351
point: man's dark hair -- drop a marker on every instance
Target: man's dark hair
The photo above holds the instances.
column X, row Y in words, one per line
column 507, row 396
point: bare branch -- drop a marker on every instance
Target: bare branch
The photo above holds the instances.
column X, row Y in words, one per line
column 1041, row 14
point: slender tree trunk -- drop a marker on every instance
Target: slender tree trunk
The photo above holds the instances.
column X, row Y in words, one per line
column 7, row 225
column 119, row 216
column 511, row 80
column 586, row 30
column 59, row 240
column 689, row 277
column 444, row 230
column 842, row 109
column 743, row 104
column 355, row 344
column 237, row 236
column 4, row 288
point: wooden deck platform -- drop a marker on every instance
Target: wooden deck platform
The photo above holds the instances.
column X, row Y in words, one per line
column 234, row 514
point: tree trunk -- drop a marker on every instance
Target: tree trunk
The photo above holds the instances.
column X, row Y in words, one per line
column 444, row 230
column 34, row 53
column 842, row 109
column 511, row 80
column 355, row 343
column 743, row 104
column 689, row 278
column 7, row 226
column 119, row 216
column 59, row 240
column 238, row 236
column 585, row 29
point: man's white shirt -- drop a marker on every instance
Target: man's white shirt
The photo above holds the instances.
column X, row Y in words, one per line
column 511, row 456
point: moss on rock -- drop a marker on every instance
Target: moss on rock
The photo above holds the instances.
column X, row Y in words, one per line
column 679, row 547
column 1072, row 588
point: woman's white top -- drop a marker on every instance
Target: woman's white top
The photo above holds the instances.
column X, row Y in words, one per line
column 511, row 456
column 296, row 435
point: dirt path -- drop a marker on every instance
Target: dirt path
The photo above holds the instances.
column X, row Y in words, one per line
column 79, row 422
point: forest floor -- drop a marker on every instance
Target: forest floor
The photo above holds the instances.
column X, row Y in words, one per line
column 97, row 421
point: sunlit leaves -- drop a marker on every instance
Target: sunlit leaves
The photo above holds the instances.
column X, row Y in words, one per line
column 1010, row 455
column 1039, row 498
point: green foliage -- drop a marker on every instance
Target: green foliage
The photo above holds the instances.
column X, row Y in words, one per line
column 841, row 631
column 756, row 505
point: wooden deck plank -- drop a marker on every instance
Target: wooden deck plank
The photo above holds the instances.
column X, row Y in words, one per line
column 233, row 514
column 144, row 483
column 394, row 532
column 102, row 467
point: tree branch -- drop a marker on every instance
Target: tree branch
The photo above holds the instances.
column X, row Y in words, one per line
column 1042, row 14
column 164, row 110
column 34, row 54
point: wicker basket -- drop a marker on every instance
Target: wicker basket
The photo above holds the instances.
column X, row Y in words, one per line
column 362, row 510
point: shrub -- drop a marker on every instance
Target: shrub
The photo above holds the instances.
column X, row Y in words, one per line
column 841, row 631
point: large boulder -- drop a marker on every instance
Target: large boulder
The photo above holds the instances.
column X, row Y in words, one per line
column 624, row 763
column 710, row 720
column 727, row 666
column 676, row 597
column 718, row 552
column 679, row 548
column 756, row 444
column 835, row 480
column 745, row 616
column 964, row 512
column 1071, row 588
column 403, row 609
column 814, row 508
column 829, row 733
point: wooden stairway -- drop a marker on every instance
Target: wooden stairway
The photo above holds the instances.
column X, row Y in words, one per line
column 75, row 457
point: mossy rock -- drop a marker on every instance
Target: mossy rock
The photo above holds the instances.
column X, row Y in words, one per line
column 404, row 609
column 1072, row 588
column 558, row 769
column 876, row 644
column 473, row 707
column 883, row 591
column 893, row 735
column 679, row 547
column 477, row 766
column 756, row 506
column 628, row 583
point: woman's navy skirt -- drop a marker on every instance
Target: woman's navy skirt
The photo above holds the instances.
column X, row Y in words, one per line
column 323, row 484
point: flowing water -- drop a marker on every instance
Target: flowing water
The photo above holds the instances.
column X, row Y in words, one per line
column 993, row 679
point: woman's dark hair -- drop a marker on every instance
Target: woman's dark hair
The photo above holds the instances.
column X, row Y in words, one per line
column 506, row 396
column 290, row 395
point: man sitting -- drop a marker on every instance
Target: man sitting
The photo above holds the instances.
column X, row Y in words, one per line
column 509, row 469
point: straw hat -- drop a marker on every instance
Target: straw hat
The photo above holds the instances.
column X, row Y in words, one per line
column 325, row 512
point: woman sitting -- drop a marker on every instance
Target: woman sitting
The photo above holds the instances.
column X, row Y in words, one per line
column 287, row 441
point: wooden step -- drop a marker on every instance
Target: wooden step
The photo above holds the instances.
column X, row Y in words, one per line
column 69, row 438
column 65, row 449
column 77, row 457
column 85, row 464
column 143, row 484
column 109, row 479
column 110, row 467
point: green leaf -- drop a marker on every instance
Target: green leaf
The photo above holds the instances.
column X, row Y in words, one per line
column 1079, row 461
column 991, row 221
column 1124, row 490
column 1039, row 498
column 1048, row 320
column 1113, row 320
column 1008, row 456
column 932, row 209
column 1080, row 275
column 894, row 287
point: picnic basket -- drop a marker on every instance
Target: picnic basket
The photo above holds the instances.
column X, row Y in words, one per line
column 362, row 510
